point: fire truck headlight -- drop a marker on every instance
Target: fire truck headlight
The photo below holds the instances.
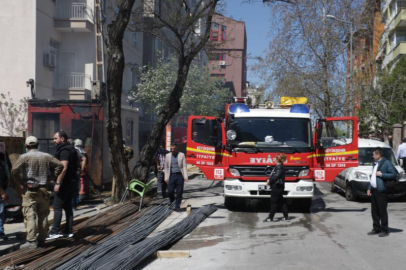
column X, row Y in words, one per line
column 231, row 135
column 234, row 172
column 230, row 187
column 303, row 189
column 304, row 173
column 361, row 176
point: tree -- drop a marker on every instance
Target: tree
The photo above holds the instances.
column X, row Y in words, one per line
column 13, row 116
column 386, row 101
column 174, row 22
column 203, row 95
column 307, row 56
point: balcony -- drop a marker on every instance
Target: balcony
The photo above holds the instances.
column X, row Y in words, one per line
column 73, row 86
column 399, row 50
column 73, row 16
column 400, row 19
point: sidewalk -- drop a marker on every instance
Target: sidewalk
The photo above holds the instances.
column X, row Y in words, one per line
column 16, row 231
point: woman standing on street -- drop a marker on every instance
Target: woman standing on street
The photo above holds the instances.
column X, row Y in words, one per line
column 277, row 183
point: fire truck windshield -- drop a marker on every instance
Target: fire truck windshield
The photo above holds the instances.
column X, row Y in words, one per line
column 272, row 132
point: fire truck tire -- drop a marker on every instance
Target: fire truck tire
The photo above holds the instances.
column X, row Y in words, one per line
column 233, row 203
column 349, row 195
column 306, row 204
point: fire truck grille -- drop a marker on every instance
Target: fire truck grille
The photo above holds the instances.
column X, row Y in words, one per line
column 291, row 171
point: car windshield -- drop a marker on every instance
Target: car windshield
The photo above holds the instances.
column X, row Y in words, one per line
column 279, row 131
column 366, row 159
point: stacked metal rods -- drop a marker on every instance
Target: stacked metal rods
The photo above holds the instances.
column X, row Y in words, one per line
column 62, row 255
column 125, row 255
column 92, row 226
column 98, row 255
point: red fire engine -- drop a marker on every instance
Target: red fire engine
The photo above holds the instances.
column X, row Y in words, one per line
column 240, row 149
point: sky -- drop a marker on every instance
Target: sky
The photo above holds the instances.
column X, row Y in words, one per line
column 256, row 16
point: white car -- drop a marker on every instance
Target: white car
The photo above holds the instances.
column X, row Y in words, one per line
column 354, row 181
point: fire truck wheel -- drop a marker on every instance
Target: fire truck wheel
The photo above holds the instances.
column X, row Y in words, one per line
column 232, row 203
column 306, row 205
column 349, row 195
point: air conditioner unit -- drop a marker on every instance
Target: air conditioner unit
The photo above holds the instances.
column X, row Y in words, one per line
column 50, row 58
column 222, row 63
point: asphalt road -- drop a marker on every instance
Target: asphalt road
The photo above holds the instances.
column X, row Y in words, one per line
column 333, row 235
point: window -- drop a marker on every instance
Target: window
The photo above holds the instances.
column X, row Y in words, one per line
column 134, row 79
column 217, row 56
column 219, row 76
column 44, row 126
column 400, row 36
column 223, row 32
column 214, row 33
column 129, row 138
column 336, row 133
column 206, row 132
column 134, row 39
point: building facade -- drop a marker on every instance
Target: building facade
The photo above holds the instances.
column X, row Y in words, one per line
column 393, row 40
column 365, row 51
column 58, row 44
column 228, row 53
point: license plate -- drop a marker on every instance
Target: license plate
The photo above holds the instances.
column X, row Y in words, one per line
column 264, row 187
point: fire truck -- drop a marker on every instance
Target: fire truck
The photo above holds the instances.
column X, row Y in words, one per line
column 240, row 148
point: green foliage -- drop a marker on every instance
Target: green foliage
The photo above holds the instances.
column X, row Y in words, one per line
column 202, row 95
column 13, row 116
column 384, row 105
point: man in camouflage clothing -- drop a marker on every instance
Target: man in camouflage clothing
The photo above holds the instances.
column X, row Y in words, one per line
column 32, row 171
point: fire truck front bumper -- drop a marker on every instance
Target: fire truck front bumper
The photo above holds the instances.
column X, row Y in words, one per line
column 293, row 190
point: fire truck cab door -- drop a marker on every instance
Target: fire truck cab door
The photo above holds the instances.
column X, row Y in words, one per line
column 206, row 145
column 336, row 147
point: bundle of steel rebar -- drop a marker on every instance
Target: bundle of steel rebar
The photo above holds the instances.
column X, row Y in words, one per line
column 123, row 252
column 105, row 251
column 91, row 226
column 62, row 255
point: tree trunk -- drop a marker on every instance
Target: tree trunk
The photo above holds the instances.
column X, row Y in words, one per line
column 115, row 70
column 171, row 107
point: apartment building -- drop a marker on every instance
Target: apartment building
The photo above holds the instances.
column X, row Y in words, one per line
column 228, row 53
column 365, row 50
column 393, row 40
column 58, row 44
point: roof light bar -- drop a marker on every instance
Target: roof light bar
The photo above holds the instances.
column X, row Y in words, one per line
column 299, row 108
column 238, row 108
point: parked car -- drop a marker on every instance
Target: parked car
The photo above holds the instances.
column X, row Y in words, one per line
column 354, row 181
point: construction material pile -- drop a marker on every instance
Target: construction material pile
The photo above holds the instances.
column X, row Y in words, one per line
column 98, row 226
column 126, row 250
column 115, row 239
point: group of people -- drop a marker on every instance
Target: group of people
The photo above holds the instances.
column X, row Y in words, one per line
column 172, row 173
column 383, row 171
column 33, row 171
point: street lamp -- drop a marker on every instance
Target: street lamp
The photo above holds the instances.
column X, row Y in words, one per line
column 351, row 64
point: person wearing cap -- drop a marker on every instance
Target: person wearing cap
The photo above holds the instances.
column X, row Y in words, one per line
column 33, row 170
column 82, row 158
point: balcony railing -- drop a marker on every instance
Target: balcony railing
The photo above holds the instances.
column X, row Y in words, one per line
column 70, row 80
column 71, row 11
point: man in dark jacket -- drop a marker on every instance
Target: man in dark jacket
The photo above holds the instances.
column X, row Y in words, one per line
column 67, row 154
column 383, row 170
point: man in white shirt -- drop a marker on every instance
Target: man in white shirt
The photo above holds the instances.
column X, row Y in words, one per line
column 383, row 171
column 402, row 152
